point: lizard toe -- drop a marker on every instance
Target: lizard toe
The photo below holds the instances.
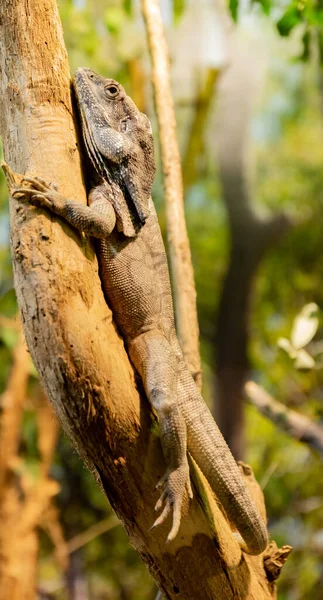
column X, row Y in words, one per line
column 189, row 488
column 162, row 518
column 176, row 483
column 161, row 501
column 162, row 480
column 176, row 521
column 37, row 183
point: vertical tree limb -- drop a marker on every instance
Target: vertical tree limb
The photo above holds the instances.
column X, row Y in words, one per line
column 178, row 243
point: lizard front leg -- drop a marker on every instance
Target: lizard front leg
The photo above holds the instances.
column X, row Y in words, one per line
column 97, row 220
column 157, row 363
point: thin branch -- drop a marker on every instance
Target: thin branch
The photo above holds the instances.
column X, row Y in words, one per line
column 298, row 426
column 91, row 533
column 179, row 249
column 62, row 547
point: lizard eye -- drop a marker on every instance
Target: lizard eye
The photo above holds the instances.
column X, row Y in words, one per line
column 111, row 91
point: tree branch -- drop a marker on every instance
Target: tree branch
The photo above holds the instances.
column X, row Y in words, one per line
column 298, row 426
column 178, row 243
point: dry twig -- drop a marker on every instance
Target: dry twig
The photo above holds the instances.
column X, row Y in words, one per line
column 298, row 426
column 178, row 243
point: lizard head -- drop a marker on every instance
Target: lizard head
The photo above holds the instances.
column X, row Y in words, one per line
column 117, row 137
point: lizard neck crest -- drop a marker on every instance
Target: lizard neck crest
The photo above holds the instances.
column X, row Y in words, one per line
column 118, row 141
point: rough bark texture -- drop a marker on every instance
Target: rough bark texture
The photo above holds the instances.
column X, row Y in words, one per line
column 69, row 330
column 251, row 236
column 178, row 243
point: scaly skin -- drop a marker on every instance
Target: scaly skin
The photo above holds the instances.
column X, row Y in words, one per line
column 135, row 280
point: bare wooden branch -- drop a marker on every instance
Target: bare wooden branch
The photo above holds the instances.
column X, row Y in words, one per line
column 178, row 243
column 274, row 560
column 298, row 426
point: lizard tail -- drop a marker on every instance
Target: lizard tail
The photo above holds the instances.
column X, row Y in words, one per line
column 210, row 451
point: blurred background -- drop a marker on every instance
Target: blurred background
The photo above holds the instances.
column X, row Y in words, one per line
column 247, row 81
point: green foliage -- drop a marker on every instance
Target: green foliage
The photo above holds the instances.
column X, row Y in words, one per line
column 293, row 16
column 178, row 9
column 308, row 12
column 265, row 5
column 234, row 5
column 127, row 6
column 287, row 16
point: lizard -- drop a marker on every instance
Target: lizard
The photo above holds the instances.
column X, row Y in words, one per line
column 121, row 217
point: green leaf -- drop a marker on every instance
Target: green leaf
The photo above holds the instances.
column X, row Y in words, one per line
column 127, row 6
column 9, row 337
column 233, row 6
column 265, row 4
column 178, row 7
column 8, row 303
column 291, row 18
column 114, row 19
column 306, row 39
column 305, row 326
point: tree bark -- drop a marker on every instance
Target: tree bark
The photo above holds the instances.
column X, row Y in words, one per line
column 71, row 336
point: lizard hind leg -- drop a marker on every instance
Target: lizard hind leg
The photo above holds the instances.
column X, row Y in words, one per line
column 157, row 363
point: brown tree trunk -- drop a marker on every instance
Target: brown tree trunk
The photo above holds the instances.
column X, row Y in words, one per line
column 69, row 330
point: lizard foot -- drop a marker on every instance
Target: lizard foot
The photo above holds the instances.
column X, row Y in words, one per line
column 39, row 193
column 175, row 483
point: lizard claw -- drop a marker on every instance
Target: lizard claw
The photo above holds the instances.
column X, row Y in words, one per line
column 176, row 482
column 39, row 193
column 39, row 184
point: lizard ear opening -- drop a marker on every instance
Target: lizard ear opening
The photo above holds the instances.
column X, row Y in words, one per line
column 111, row 90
